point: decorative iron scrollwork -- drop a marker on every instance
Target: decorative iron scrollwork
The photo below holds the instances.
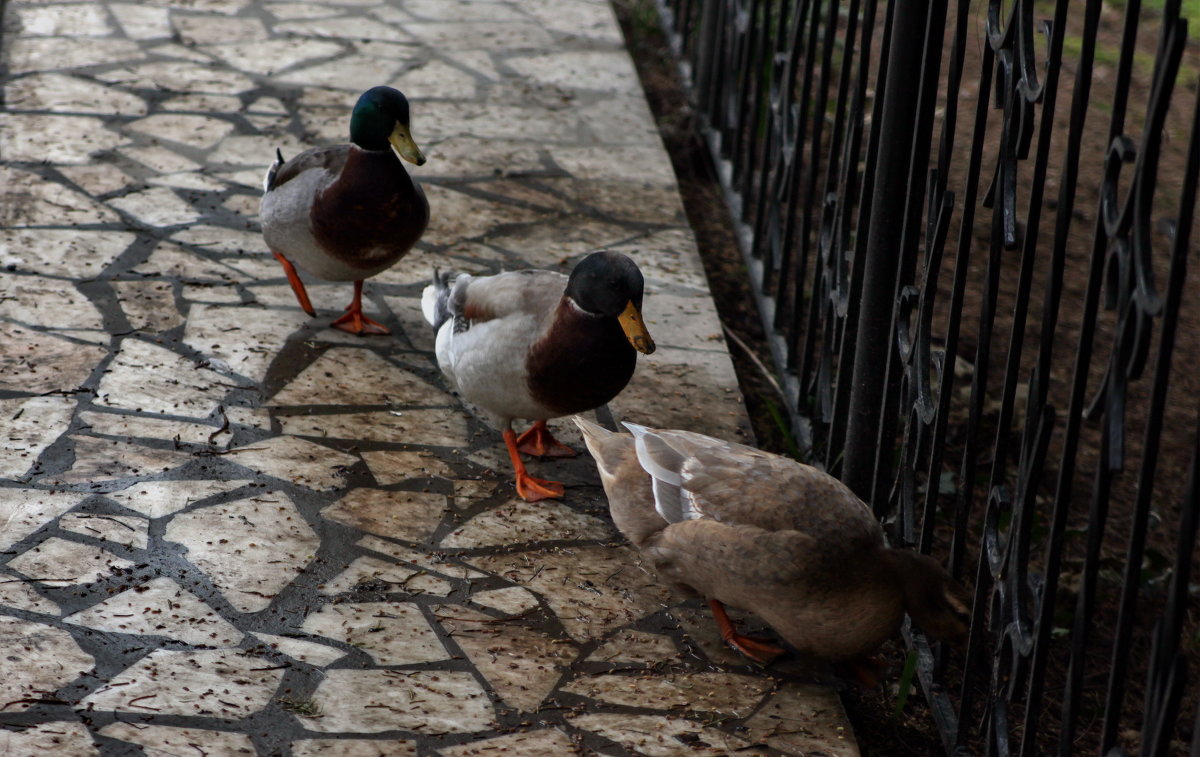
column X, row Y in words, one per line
column 796, row 189
column 1127, row 227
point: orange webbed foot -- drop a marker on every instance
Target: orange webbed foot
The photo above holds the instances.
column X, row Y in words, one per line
column 537, row 441
column 530, row 488
column 535, row 489
column 354, row 321
column 759, row 650
column 867, row 672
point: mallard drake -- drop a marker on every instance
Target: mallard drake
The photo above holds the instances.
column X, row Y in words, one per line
column 537, row 344
column 761, row 532
column 347, row 212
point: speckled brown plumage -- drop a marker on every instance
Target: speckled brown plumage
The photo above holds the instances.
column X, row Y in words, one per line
column 769, row 535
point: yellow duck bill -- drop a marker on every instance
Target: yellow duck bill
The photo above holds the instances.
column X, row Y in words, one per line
column 635, row 329
column 402, row 140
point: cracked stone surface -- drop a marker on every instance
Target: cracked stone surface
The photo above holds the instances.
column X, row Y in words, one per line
column 228, row 529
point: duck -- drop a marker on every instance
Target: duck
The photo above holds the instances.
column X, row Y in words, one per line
column 536, row 344
column 769, row 535
column 349, row 211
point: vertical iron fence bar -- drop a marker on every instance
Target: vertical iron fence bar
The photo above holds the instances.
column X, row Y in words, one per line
column 917, row 361
column 979, row 381
column 1098, row 513
column 1166, row 673
column 787, row 286
column 1097, row 519
column 962, row 500
column 803, row 347
column 931, row 63
column 759, row 240
column 739, row 84
column 765, row 232
column 704, row 55
column 1048, row 91
column 965, row 240
column 958, row 288
column 732, row 56
column 848, row 303
column 1052, row 563
column 880, row 257
column 831, row 244
column 746, row 129
column 1174, row 35
column 755, row 122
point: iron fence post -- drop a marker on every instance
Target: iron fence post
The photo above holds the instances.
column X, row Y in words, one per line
column 880, row 256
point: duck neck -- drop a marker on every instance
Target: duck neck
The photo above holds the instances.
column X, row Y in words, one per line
column 377, row 173
column 582, row 360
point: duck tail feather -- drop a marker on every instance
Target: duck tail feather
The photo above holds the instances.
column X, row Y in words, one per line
column 593, row 436
column 590, row 430
column 273, row 171
column 435, row 300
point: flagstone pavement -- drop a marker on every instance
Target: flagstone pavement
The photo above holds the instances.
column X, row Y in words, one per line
column 228, row 529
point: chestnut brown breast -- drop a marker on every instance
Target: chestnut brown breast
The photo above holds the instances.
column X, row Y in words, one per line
column 582, row 362
column 373, row 211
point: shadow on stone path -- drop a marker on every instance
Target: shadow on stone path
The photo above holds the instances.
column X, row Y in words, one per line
column 229, row 529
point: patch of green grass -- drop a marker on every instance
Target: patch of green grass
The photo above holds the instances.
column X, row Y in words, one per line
column 785, row 429
column 644, row 17
column 1143, row 62
column 906, row 682
column 1073, row 48
column 1189, row 9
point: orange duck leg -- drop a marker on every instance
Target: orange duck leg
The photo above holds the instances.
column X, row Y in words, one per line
column 538, row 441
column 530, row 488
column 759, row 650
column 297, row 284
column 354, row 321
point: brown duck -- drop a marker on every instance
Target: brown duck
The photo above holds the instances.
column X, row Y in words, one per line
column 764, row 533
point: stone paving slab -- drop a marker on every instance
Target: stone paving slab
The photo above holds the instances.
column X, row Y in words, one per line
column 228, row 529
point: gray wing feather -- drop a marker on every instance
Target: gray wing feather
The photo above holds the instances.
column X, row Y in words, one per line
column 665, row 464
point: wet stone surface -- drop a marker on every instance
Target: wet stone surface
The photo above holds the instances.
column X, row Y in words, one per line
column 228, row 529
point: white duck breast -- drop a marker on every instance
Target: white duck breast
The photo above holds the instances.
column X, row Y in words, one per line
column 504, row 316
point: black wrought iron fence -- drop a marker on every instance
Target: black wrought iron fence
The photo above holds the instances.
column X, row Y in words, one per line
column 968, row 226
